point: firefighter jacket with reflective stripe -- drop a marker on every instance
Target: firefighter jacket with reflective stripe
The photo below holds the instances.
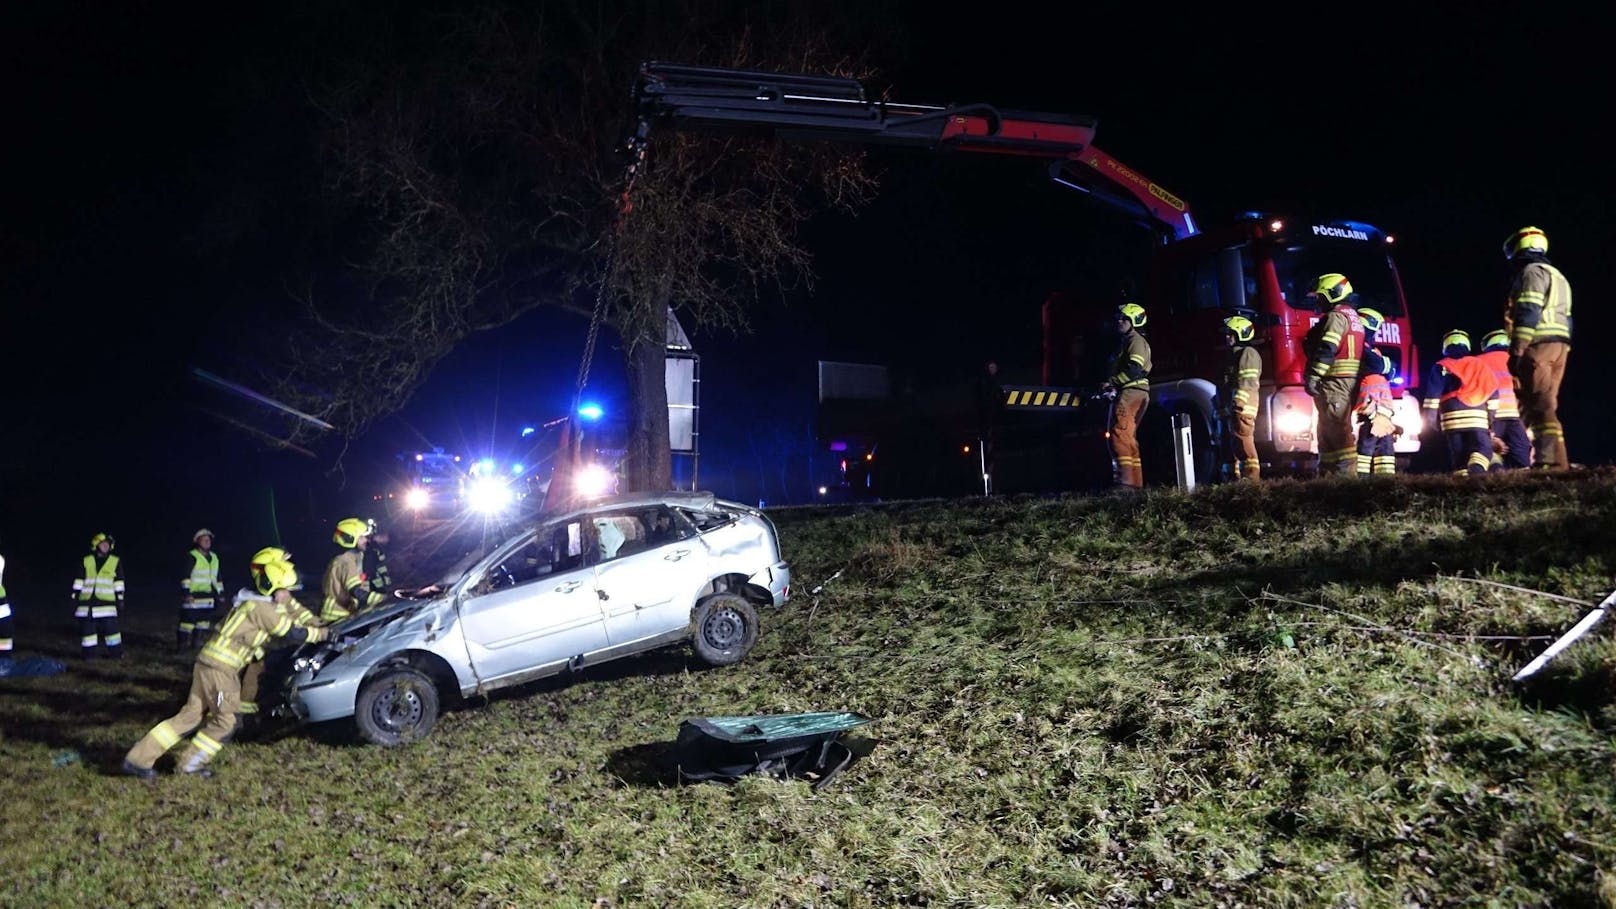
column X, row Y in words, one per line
column 1241, row 376
column 345, row 589
column 1468, row 393
column 1335, row 345
column 1539, row 306
column 1374, row 397
column 376, row 573
column 242, row 636
column 204, row 580
column 101, row 580
column 1509, row 406
column 1132, row 366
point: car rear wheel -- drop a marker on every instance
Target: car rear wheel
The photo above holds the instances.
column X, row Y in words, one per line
column 398, row 706
column 726, row 629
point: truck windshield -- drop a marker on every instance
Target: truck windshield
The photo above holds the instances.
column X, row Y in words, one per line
column 1368, row 267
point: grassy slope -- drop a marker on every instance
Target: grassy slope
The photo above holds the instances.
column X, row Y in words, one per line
column 1250, row 696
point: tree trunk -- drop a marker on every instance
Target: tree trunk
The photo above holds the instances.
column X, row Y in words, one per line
column 648, row 462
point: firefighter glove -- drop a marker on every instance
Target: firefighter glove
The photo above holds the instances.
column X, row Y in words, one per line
column 1311, row 384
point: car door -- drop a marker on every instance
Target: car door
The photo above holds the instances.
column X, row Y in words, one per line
column 535, row 609
column 648, row 585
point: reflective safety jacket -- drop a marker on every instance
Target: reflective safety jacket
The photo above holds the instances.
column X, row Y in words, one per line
column 1539, row 307
column 1374, row 397
column 1469, row 392
column 203, row 583
column 1132, row 366
column 1509, row 406
column 244, row 634
column 101, row 581
column 345, row 588
column 1241, row 377
column 1335, row 345
column 376, row 573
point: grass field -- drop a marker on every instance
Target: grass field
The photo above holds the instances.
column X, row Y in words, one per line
column 1289, row 694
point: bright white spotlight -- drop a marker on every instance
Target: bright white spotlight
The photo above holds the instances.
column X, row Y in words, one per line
column 593, row 480
column 417, row 499
column 488, row 495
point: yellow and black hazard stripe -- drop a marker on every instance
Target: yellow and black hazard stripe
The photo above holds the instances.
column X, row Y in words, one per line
column 1041, row 397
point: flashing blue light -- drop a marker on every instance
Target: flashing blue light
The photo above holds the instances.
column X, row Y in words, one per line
column 486, row 465
column 590, row 411
column 1397, row 380
column 516, row 468
column 528, row 430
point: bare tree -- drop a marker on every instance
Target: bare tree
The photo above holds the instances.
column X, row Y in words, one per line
column 479, row 154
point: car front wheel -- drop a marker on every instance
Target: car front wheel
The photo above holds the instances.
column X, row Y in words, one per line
column 726, row 629
column 398, row 706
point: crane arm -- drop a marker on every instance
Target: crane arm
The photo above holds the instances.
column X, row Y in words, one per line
column 805, row 106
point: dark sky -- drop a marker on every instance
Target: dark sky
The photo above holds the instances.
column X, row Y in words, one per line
column 1448, row 129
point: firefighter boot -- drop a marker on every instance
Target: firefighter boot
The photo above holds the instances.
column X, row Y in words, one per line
column 131, row 769
column 196, row 765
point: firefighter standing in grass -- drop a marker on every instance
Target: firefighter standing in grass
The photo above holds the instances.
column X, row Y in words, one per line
column 1241, row 376
column 1507, row 425
column 260, row 591
column 1334, row 348
column 346, row 588
column 1377, row 433
column 97, row 597
column 1538, row 316
column 203, row 593
column 215, row 697
column 1468, row 393
column 1455, row 344
column 1130, row 379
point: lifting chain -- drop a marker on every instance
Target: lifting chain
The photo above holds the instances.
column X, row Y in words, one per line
column 637, row 146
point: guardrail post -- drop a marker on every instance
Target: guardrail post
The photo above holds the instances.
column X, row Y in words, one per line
column 1183, row 451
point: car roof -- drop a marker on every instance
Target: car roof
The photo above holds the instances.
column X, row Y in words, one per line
column 694, row 501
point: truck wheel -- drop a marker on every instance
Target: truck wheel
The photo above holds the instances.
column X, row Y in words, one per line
column 726, row 629
column 396, row 707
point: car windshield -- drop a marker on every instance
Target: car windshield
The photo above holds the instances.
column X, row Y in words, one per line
column 1367, row 266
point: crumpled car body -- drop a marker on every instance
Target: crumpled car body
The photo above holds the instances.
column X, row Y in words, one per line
column 622, row 576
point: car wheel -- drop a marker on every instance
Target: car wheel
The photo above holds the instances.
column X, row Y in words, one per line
column 396, row 707
column 726, row 629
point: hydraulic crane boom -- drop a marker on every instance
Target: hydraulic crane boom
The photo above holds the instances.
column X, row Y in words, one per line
column 798, row 106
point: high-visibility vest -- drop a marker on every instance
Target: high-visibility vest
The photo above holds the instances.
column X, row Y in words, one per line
column 204, row 579
column 1342, row 331
column 100, row 584
column 1374, row 396
column 1540, row 288
column 1509, row 407
column 243, row 634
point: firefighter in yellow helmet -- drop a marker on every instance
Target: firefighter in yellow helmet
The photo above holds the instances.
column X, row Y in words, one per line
column 1377, row 433
column 1130, row 380
column 215, row 696
column 1538, row 316
column 1508, row 429
column 97, row 597
column 1242, row 373
column 346, row 588
column 1334, row 348
column 203, row 592
column 260, row 591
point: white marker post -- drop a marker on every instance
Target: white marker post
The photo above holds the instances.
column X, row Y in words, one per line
column 1567, row 639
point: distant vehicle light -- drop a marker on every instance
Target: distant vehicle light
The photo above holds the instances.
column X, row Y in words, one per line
column 488, row 495
column 823, row 490
column 528, row 430
column 417, row 499
column 838, row 446
column 419, row 456
column 517, row 468
column 485, row 466
column 590, row 411
column 593, row 480
column 1276, row 225
column 1390, row 239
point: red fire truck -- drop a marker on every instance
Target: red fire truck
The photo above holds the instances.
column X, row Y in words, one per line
column 1261, row 266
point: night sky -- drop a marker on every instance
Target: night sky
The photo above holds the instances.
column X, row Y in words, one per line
column 146, row 151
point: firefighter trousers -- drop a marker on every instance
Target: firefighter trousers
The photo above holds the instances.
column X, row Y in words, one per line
column 1376, row 454
column 1243, row 427
column 212, row 704
column 1517, row 445
column 1470, row 451
column 1541, row 369
column 95, row 630
column 1333, row 399
column 1126, row 412
column 249, row 686
column 5, row 626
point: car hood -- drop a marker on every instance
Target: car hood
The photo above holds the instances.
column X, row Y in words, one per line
column 363, row 623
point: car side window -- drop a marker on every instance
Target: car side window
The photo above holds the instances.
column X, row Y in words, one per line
column 619, row 534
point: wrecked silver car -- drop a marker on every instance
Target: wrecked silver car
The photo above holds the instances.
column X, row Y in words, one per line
column 625, row 575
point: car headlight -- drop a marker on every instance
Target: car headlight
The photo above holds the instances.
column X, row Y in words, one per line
column 417, row 499
column 489, row 495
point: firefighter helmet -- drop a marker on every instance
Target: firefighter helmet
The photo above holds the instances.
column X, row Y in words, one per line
column 204, row 532
column 1240, row 327
column 349, row 532
column 1457, row 340
column 1496, row 340
column 1133, row 312
column 1372, row 320
column 1527, row 239
column 106, row 538
column 1332, row 288
column 262, row 558
column 279, row 576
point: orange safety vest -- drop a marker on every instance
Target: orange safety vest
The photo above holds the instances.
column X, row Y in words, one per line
column 1477, row 385
column 1509, row 407
column 1374, row 396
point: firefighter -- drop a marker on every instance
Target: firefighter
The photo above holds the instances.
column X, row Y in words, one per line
column 1130, row 381
column 1334, row 348
column 1508, row 427
column 375, row 562
column 203, row 593
column 345, row 586
column 1455, row 344
column 5, row 615
column 1538, row 316
column 215, row 697
column 1468, row 393
column 1377, row 433
column 260, row 591
column 97, row 597
column 1241, row 375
